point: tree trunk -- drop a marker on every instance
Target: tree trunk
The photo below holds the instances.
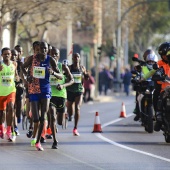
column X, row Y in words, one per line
column 13, row 34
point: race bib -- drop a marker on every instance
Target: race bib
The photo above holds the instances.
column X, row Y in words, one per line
column 39, row 72
column 6, row 81
column 77, row 78
column 54, row 81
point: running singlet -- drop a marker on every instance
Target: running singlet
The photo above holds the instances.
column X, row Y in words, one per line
column 54, row 82
column 40, row 81
column 7, row 78
column 77, row 75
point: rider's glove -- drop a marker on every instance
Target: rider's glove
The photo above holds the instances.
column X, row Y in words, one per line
column 155, row 66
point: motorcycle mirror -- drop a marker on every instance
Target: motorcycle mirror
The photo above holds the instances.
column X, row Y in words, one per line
column 135, row 59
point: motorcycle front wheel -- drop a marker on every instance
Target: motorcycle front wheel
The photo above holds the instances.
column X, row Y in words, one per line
column 149, row 119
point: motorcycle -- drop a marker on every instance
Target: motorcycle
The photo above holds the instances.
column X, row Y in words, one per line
column 144, row 98
column 165, row 100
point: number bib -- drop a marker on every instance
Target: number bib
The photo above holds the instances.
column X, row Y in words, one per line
column 54, row 81
column 39, row 72
column 77, row 78
column 6, row 81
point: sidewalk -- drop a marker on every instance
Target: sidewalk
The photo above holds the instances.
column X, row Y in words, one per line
column 112, row 96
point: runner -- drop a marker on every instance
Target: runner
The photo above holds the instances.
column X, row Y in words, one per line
column 31, row 131
column 75, row 91
column 8, row 73
column 14, row 56
column 59, row 95
column 39, row 86
column 20, row 90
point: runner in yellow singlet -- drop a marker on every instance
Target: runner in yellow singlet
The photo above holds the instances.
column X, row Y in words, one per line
column 8, row 74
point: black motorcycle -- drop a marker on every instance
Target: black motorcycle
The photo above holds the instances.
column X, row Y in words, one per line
column 164, row 103
column 144, row 99
column 144, row 91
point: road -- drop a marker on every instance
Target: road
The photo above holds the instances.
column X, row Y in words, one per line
column 123, row 145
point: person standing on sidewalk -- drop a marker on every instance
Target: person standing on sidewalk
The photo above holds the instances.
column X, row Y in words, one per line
column 87, row 83
column 75, row 91
column 127, row 80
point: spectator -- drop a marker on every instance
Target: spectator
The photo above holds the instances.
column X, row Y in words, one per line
column 87, row 83
column 127, row 80
column 105, row 77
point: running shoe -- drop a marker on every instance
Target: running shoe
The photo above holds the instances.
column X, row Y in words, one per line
column 16, row 131
column 75, row 132
column 9, row 136
column 18, row 119
column 13, row 137
column 29, row 133
column 39, row 147
column 70, row 118
column 49, row 136
column 42, row 140
column 49, row 131
column 55, row 145
column 33, row 142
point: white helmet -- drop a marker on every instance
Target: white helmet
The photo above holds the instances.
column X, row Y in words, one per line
column 152, row 57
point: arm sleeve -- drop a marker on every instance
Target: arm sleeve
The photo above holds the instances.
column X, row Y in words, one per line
column 149, row 74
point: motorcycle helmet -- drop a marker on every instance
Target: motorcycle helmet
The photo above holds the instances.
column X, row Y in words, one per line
column 168, row 56
column 148, row 51
column 163, row 48
column 151, row 59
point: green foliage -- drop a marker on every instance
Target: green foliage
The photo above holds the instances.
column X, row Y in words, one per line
column 154, row 22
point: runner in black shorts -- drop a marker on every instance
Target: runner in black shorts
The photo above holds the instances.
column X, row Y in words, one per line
column 75, row 91
column 59, row 95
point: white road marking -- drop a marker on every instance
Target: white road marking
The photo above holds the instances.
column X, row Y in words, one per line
column 80, row 161
column 126, row 147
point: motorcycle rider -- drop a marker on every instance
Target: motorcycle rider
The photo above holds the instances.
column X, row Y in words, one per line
column 164, row 52
column 147, row 71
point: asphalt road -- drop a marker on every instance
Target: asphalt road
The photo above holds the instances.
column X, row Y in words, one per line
column 123, row 145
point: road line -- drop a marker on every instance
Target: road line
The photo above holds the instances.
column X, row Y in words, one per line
column 80, row 161
column 126, row 147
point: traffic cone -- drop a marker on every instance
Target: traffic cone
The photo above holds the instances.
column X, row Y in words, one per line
column 97, row 125
column 123, row 111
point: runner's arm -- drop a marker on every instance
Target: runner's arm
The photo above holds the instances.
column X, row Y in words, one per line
column 16, row 72
column 25, row 65
column 55, row 70
column 68, row 75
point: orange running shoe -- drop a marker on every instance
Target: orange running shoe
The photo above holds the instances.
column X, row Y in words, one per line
column 49, row 131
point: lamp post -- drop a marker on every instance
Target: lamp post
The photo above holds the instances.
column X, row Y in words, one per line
column 118, row 45
column 97, row 40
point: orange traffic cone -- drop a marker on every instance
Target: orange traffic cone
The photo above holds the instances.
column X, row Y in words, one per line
column 97, row 125
column 123, row 111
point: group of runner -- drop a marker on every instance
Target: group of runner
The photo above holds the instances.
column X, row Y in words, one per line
column 43, row 85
